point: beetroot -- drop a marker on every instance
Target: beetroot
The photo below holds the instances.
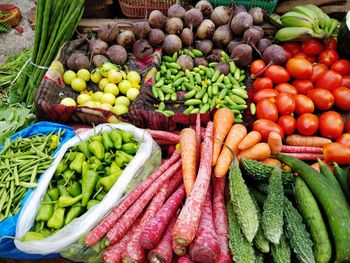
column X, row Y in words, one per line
column 156, row 37
column 78, row 61
column 263, row 44
column 222, row 36
column 251, row 36
column 274, row 54
column 193, row 18
column 205, row 7
column 206, row 29
column 97, row 46
column 141, row 29
column 239, row 9
column 187, row 37
column 241, row 22
column 200, row 61
column 215, row 55
column 142, row 49
column 186, row 62
column 242, row 54
column 108, row 32
column 221, row 15
column 224, row 68
column 117, row 54
column 205, row 46
column 126, row 39
column 257, row 14
column 172, row 44
column 174, row 26
column 232, row 45
column 176, row 10
column 99, row 60
column 156, row 19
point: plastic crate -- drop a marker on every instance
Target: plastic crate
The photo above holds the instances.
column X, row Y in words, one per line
column 268, row 5
column 138, row 8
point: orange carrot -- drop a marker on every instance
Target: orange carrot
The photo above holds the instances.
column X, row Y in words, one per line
column 258, row 152
column 300, row 140
column 272, row 162
column 223, row 121
column 275, row 142
column 250, row 140
column 188, row 157
column 234, row 137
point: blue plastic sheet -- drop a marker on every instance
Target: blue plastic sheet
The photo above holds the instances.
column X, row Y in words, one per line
column 8, row 226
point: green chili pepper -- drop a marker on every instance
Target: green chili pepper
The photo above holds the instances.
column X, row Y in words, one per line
column 85, row 166
column 96, row 164
column 92, row 203
column 45, row 210
column 53, row 193
column 108, row 181
column 73, row 213
column 127, row 136
column 122, row 158
column 116, row 137
column 70, row 156
column 65, row 201
column 83, row 146
column 107, row 142
column 46, row 232
column 62, row 190
column 100, row 196
column 108, row 159
column 31, row 236
column 68, row 175
column 62, row 166
column 97, row 149
column 78, row 161
column 90, row 179
column 74, row 189
column 56, row 221
column 130, row 148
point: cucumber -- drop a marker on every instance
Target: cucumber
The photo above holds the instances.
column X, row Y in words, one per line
column 336, row 209
column 297, row 234
column 241, row 249
column 272, row 215
column 342, row 176
column 262, row 172
column 311, row 214
column 327, row 173
column 281, row 252
column 243, row 205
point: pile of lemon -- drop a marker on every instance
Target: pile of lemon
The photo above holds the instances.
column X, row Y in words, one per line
column 117, row 88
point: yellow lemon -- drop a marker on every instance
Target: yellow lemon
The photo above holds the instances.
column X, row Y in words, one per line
column 133, row 77
column 135, row 85
column 97, row 96
column 68, row 102
column 114, row 76
column 82, row 98
column 69, row 76
column 96, row 75
column 106, row 67
column 108, row 98
column 78, row 84
column 123, row 100
column 90, row 104
column 105, row 106
column 132, row 94
column 103, row 82
column 119, row 109
column 111, row 88
column 83, row 74
column 124, row 85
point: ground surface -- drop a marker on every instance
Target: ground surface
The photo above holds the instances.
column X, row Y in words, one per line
column 13, row 41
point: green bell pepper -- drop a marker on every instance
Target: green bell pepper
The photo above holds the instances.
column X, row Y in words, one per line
column 68, row 175
column 90, row 179
column 65, row 201
column 45, row 210
column 77, row 163
column 109, row 158
column 130, row 147
column 116, row 138
column 62, row 190
column 83, row 146
column 61, row 167
column 127, row 136
column 74, row 189
column 96, row 138
column 73, row 213
column 91, row 203
column 56, row 221
column 122, row 158
column 53, row 193
column 114, row 168
column 31, row 236
column 69, row 157
column 107, row 142
column 95, row 164
column 108, row 181
column 97, row 149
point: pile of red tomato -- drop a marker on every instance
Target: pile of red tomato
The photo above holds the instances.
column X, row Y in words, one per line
column 314, row 80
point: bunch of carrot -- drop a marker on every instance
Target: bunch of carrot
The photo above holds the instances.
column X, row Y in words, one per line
column 178, row 212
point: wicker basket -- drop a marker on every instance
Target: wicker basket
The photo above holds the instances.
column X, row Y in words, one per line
column 98, row 8
column 268, row 5
column 138, row 8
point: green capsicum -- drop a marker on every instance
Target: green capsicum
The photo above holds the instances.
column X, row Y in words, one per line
column 74, row 212
column 90, row 179
column 122, row 158
column 84, row 148
column 56, row 221
column 109, row 158
column 53, row 193
column 107, row 169
column 97, row 149
column 100, row 196
column 46, row 232
column 114, row 168
column 84, row 167
column 95, row 164
column 96, row 138
column 61, row 167
column 69, row 157
column 65, row 201
column 130, row 147
column 127, row 136
column 108, row 181
column 68, row 175
column 74, row 189
column 45, row 210
column 76, row 164
column 91, row 203
column 116, row 138
column 107, row 142
column 62, row 190
column 31, row 236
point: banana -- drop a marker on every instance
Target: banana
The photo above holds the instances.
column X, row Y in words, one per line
column 275, row 20
column 294, row 33
column 294, row 19
column 323, row 17
column 307, row 12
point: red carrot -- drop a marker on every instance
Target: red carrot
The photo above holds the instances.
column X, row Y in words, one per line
column 166, row 136
column 108, row 222
column 128, row 218
column 198, row 138
column 202, row 129
column 174, row 183
column 301, row 149
column 178, row 249
column 184, row 259
column 305, row 156
column 114, row 254
column 163, row 252
column 164, row 142
column 220, row 220
column 301, row 140
column 186, row 226
column 153, row 231
column 205, row 247
column 134, row 251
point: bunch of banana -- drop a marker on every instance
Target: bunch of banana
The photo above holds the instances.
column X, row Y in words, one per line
column 304, row 22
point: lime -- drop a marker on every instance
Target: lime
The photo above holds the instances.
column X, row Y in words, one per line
column 83, row 74
column 103, row 82
column 68, row 102
column 124, row 85
column 114, row 76
column 108, row 98
column 78, row 84
column 111, row 88
column 106, row 67
column 69, row 76
column 133, row 77
column 132, row 93
column 82, row 98
column 97, row 96
column 119, row 109
column 96, row 75
column 123, row 100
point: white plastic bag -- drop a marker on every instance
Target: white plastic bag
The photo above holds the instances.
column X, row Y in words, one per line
column 147, row 158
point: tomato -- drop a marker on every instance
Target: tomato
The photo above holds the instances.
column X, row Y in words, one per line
column 285, row 103
column 328, row 57
column 265, row 127
column 336, row 152
column 303, row 104
column 312, row 47
column 266, row 109
column 331, row 124
column 342, row 98
column 277, row 74
column 331, row 43
column 257, row 67
column 330, row 80
column 287, row 123
column 287, row 88
column 323, row 99
column 293, row 47
column 307, row 124
column 342, row 66
column 317, row 71
column 265, row 94
column 262, row 83
column 344, row 139
column 299, row 68
column 303, row 85
column 304, row 56
column 346, row 81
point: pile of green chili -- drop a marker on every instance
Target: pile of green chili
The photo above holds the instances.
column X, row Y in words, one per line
column 20, row 162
